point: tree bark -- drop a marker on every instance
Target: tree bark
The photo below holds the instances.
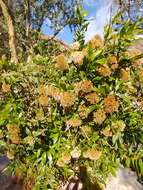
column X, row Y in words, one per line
column 28, row 16
column 11, row 30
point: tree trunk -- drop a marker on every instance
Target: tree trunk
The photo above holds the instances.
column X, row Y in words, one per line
column 11, row 30
column 28, row 16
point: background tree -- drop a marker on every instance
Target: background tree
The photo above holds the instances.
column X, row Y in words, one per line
column 11, row 29
column 29, row 16
column 132, row 8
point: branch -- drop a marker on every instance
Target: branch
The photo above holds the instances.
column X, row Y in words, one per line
column 11, row 30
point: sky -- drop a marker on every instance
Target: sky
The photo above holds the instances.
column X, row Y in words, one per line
column 98, row 14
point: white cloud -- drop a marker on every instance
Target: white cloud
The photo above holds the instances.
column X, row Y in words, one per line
column 102, row 17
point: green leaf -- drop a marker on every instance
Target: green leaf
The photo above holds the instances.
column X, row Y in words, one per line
column 38, row 154
column 44, row 158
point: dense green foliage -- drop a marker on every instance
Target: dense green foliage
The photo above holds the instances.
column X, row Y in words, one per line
column 80, row 108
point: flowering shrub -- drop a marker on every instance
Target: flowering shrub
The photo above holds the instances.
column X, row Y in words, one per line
column 80, row 108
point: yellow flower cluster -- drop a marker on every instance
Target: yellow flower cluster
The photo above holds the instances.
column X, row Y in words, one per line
column 111, row 104
column 30, row 140
column 67, row 99
column 99, row 116
column 129, row 88
column 83, row 111
column 10, row 154
column 85, row 86
column 96, row 42
column 75, row 46
column 61, row 63
column 104, row 70
column 74, row 122
column 86, row 130
column 77, row 57
column 6, row 88
column 14, row 131
column 119, row 125
column 53, row 92
column 112, row 60
column 107, row 132
column 42, row 89
column 43, row 100
column 85, row 51
column 64, row 160
column 92, row 98
column 92, row 154
column 125, row 74
column 76, row 153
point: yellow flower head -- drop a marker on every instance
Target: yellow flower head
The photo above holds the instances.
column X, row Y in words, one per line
column 75, row 46
column 92, row 154
column 30, row 140
column 112, row 60
column 43, row 100
column 67, row 99
column 14, row 131
column 74, row 122
column 84, row 86
column 60, row 162
column 129, row 88
column 10, row 154
column 85, row 51
column 96, row 42
column 83, row 111
column 77, row 58
column 86, row 130
column 92, row 98
column 99, row 116
column 107, row 132
column 76, row 153
column 114, row 66
column 104, row 70
column 13, row 128
column 61, row 63
column 119, row 125
column 15, row 139
column 42, row 89
column 125, row 74
column 53, row 92
column 64, row 159
column 111, row 104
column 6, row 88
